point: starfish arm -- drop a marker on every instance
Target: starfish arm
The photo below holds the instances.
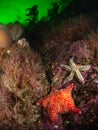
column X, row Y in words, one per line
column 52, row 114
column 70, row 77
column 79, row 76
column 72, row 64
column 66, row 67
column 69, row 88
column 84, row 68
column 74, row 109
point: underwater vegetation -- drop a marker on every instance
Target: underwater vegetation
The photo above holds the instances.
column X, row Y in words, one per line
column 24, row 86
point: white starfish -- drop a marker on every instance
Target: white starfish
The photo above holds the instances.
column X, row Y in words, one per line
column 75, row 70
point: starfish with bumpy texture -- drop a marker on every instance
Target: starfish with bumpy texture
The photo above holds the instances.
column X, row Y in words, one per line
column 75, row 70
column 59, row 102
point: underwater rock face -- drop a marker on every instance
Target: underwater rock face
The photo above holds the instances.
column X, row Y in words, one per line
column 85, row 95
column 25, row 78
column 93, row 46
column 79, row 50
column 60, row 53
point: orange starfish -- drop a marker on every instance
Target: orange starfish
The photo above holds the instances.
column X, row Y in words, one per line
column 59, row 102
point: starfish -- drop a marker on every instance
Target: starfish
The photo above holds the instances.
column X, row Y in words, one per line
column 75, row 70
column 59, row 102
